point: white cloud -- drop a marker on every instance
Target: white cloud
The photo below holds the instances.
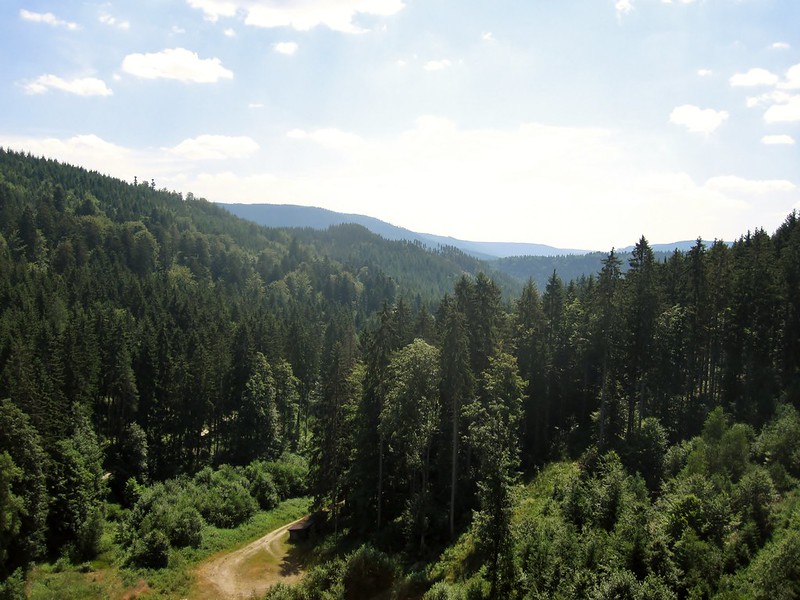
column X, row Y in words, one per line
column 256, row 105
column 178, row 30
column 623, row 6
column 696, row 119
column 487, row 36
column 784, row 113
column 792, row 81
column 85, row 86
column 107, row 19
column 329, row 137
column 778, row 140
column 47, row 18
column 738, row 185
column 753, row 78
column 215, row 147
column 401, row 63
column 176, row 63
column 437, row 65
column 287, row 48
column 338, row 15
column 768, row 99
column 705, row 72
column 229, row 32
column 781, row 46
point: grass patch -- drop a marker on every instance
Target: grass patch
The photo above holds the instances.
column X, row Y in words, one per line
column 106, row 578
column 216, row 539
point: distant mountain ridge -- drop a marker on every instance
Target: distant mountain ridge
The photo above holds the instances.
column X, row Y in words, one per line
column 290, row 215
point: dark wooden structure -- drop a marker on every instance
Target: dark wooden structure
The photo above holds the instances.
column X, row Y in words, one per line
column 303, row 529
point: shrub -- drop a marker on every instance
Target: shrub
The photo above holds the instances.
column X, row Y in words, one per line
column 225, row 501
column 262, row 486
column 324, row 581
column 185, row 527
column 150, row 551
column 618, row 585
column 281, row 591
column 289, row 473
column 368, row 572
column 777, row 569
column 13, row 588
column 779, row 442
column 443, row 591
column 169, row 508
column 645, row 452
column 753, row 499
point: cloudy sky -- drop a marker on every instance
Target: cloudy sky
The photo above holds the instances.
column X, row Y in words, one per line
column 576, row 123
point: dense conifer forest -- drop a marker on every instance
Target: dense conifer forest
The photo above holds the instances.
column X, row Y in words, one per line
column 165, row 366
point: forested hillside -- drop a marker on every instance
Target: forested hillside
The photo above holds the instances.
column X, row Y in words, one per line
column 133, row 322
column 568, row 267
column 159, row 355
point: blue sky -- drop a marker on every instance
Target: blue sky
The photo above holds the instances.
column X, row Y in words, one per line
column 576, row 123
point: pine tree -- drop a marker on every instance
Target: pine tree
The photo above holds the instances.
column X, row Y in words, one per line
column 608, row 340
column 408, row 422
column 642, row 309
column 494, row 433
column 457, row 388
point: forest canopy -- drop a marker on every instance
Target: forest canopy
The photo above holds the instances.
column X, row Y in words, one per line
column 157, row 353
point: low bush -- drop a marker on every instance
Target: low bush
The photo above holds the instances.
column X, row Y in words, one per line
column 224, row 499
column 368, row 572
column 261, row 485
column 150, row 551
column 290, row 474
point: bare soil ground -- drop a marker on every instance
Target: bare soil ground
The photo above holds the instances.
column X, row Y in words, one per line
column 251, row 570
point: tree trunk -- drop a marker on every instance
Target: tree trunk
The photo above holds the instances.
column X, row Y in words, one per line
column 453, row 466
column 380, row 478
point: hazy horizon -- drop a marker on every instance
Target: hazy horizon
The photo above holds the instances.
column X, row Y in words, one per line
column 578, row 124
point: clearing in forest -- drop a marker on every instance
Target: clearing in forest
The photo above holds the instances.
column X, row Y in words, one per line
column 253, row 569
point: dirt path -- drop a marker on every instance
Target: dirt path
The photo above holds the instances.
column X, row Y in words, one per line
column 251, row 570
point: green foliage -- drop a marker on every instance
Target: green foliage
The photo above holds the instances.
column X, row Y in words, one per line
column 618, row 585
column 11, row 505
column 776, row 571
column 443, row 591
column 257, row 426
column 290, row 475
column 493, row 432
column 261, row 485
column 19, row 441
column 779, row 441
column 13, row 587
column 753, row 498
column 224, row 500
column 282, row 591
column 150, row 336
column 368, row 572
column 151, row 550
column 645, row 450
column 77, row 491
column 408, row 421
column 169, row 508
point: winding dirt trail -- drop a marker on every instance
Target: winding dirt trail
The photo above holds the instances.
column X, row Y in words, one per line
column 251, row 570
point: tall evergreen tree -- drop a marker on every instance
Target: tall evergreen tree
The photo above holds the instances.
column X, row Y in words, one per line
column 408, row 422
column 608, row 341
column 642, row 308
column 494, row 431
column 457, row 388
